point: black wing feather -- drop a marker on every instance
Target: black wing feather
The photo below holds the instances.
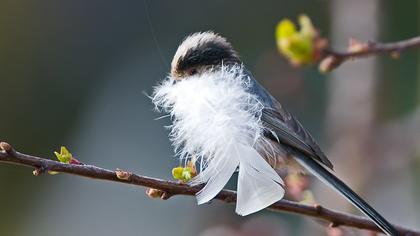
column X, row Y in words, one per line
column 286, row 128
column 289, row 131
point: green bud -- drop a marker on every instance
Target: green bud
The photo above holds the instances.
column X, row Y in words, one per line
column 64, row 156
column 297, row 46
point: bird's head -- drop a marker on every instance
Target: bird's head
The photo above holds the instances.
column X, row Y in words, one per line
column 201, row 52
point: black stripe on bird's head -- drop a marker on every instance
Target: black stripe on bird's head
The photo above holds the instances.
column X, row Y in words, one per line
column 201, row 52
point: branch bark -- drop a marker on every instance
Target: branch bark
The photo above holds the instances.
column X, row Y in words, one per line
column 166, row 189
column 332, row 59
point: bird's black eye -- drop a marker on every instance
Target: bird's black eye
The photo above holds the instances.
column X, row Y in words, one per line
column 192, row 71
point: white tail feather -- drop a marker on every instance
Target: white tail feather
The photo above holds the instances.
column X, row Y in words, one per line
column 216, row 175
column 259, row 185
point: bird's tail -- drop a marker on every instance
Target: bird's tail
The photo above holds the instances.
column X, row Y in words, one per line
column 327, row 177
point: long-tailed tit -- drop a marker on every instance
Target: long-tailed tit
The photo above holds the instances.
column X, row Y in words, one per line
column 227, row 121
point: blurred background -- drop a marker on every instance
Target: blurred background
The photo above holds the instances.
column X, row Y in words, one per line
column 73, row 73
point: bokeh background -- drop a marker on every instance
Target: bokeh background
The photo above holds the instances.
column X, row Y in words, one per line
column 73, row 73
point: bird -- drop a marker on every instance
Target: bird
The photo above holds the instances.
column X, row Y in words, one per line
column 227, row 122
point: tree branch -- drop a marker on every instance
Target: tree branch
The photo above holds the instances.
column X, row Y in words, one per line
column 332, row 59
column 165, row 189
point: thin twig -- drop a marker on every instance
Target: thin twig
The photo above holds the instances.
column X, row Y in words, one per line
column 332, row 59
column 165, row 189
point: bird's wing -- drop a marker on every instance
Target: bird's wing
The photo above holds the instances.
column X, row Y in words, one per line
column 285, row 128
column 290, row 132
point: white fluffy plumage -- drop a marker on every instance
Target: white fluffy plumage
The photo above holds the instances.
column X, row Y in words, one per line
column 217, row 119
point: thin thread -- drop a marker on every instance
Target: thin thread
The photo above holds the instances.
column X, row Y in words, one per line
column 152, row 30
